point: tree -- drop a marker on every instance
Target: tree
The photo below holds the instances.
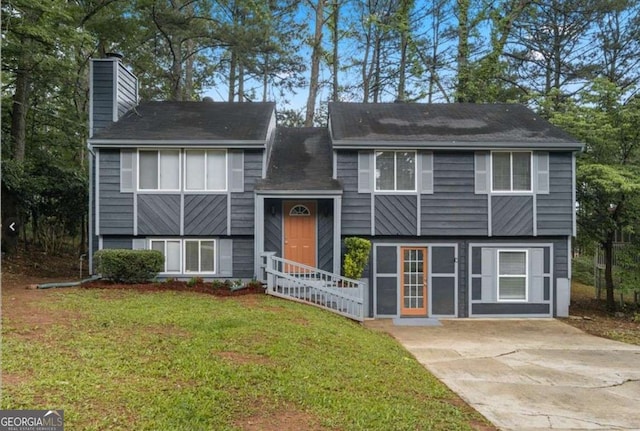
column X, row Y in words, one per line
column 316, row 55
column 608, row 177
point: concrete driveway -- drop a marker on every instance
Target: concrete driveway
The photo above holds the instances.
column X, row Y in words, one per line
column 531, row 374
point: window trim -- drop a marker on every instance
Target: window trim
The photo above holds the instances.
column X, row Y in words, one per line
column 511, row 191
column 165, row 241
column 158, row 151
column 183, row 255
column 206, row 171
column 395, row 171
column 525, row 275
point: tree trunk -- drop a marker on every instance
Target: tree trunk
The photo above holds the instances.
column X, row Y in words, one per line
column 608, row 273
column 240, row 83
column 188, row 72
column 336, row 63
column 315, row 64
column 403, row 68
column 462, row 86
column 232, row 75
column 19, row 113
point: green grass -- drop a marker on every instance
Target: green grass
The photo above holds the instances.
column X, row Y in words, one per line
column 181, row 361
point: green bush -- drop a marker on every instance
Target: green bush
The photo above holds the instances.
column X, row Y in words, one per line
column 129, row 266
column 356, row 256
column 582, row 270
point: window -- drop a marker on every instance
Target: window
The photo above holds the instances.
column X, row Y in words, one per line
column 299, row 211
column 171, row 250
column 395, row 171
column 159, row 170
column 512, row 275
column 511, row 171
column 199, row 256
column 206, row 170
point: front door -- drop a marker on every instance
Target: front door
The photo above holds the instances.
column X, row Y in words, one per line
column 300, row 232
column 413, row 289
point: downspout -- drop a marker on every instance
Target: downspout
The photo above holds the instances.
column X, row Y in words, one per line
column 90, row 235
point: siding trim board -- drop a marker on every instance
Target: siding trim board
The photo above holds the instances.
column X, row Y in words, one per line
column 431, row 275
column 549, row 274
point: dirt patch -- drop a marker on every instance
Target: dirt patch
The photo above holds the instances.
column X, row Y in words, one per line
column 9, row 379
column 590, row 315
column 244, row 358
column 287, row 418
column 39, row 264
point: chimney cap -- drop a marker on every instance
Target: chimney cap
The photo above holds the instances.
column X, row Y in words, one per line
column 116, row 55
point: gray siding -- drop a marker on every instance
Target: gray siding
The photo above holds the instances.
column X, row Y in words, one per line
column 243, row 258
column 511, row 215
column 158, row 214
column 116, row 209
column 102, row 94
column 356, row 207
column 463, row 259
column 396, row 214
column 242, row 204
column 325, row 236
column 127, row 90
column 560, row 258
column 273, row 227
column 555, row 211
column 453, row 208
column 117, row 242
column 205, row 214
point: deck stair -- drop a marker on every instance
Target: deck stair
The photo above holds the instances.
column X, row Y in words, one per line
column 302, row 283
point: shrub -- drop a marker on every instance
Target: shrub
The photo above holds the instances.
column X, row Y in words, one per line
column 129, row 266
column 194, row 281
column 356, row 256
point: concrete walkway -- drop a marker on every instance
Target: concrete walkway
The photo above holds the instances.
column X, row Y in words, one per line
column 531, row 374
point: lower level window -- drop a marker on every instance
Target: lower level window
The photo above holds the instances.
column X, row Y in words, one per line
column 512, row 275
column 199, row 255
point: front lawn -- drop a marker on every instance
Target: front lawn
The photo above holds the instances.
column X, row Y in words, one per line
column 122, row 359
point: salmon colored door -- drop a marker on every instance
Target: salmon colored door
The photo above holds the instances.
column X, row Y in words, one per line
column 300, row 232
column 413, row 286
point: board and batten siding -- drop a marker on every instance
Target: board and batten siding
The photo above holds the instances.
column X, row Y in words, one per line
column 555, row 210
column 242, row 203
column 356, row 207
column 116, row 208
column 453, row 208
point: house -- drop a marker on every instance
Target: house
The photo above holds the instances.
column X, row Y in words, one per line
column 470, row 207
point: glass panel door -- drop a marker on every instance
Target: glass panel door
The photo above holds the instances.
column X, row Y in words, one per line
column 413, row 286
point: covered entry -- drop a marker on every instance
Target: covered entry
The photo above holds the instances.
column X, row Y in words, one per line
column 415, row 280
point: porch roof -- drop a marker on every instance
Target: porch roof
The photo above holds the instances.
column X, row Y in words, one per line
column 301, row 159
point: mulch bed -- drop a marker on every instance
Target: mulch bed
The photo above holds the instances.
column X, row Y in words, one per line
column 223, row 289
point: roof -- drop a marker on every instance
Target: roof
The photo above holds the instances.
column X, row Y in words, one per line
column 200, row 122
column 301, row 159
column 443, row 125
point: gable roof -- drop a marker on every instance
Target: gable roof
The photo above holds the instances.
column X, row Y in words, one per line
column 443, row 125
column 301, row 159
column 203, row 123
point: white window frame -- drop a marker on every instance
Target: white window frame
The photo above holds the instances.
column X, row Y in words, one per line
column 165, row 240
column 183, row 255
column 395, row 171
column 199, row 241
column 511, row 190
column 159, row 151
column 525, row 275
column 206, row 170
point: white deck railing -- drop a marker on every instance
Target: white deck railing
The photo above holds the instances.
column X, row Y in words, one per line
column 302, row 283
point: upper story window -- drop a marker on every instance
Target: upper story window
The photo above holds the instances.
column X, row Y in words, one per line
column 395, row 170
column 159, row 170
column 205, row 170
column 511, row 171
